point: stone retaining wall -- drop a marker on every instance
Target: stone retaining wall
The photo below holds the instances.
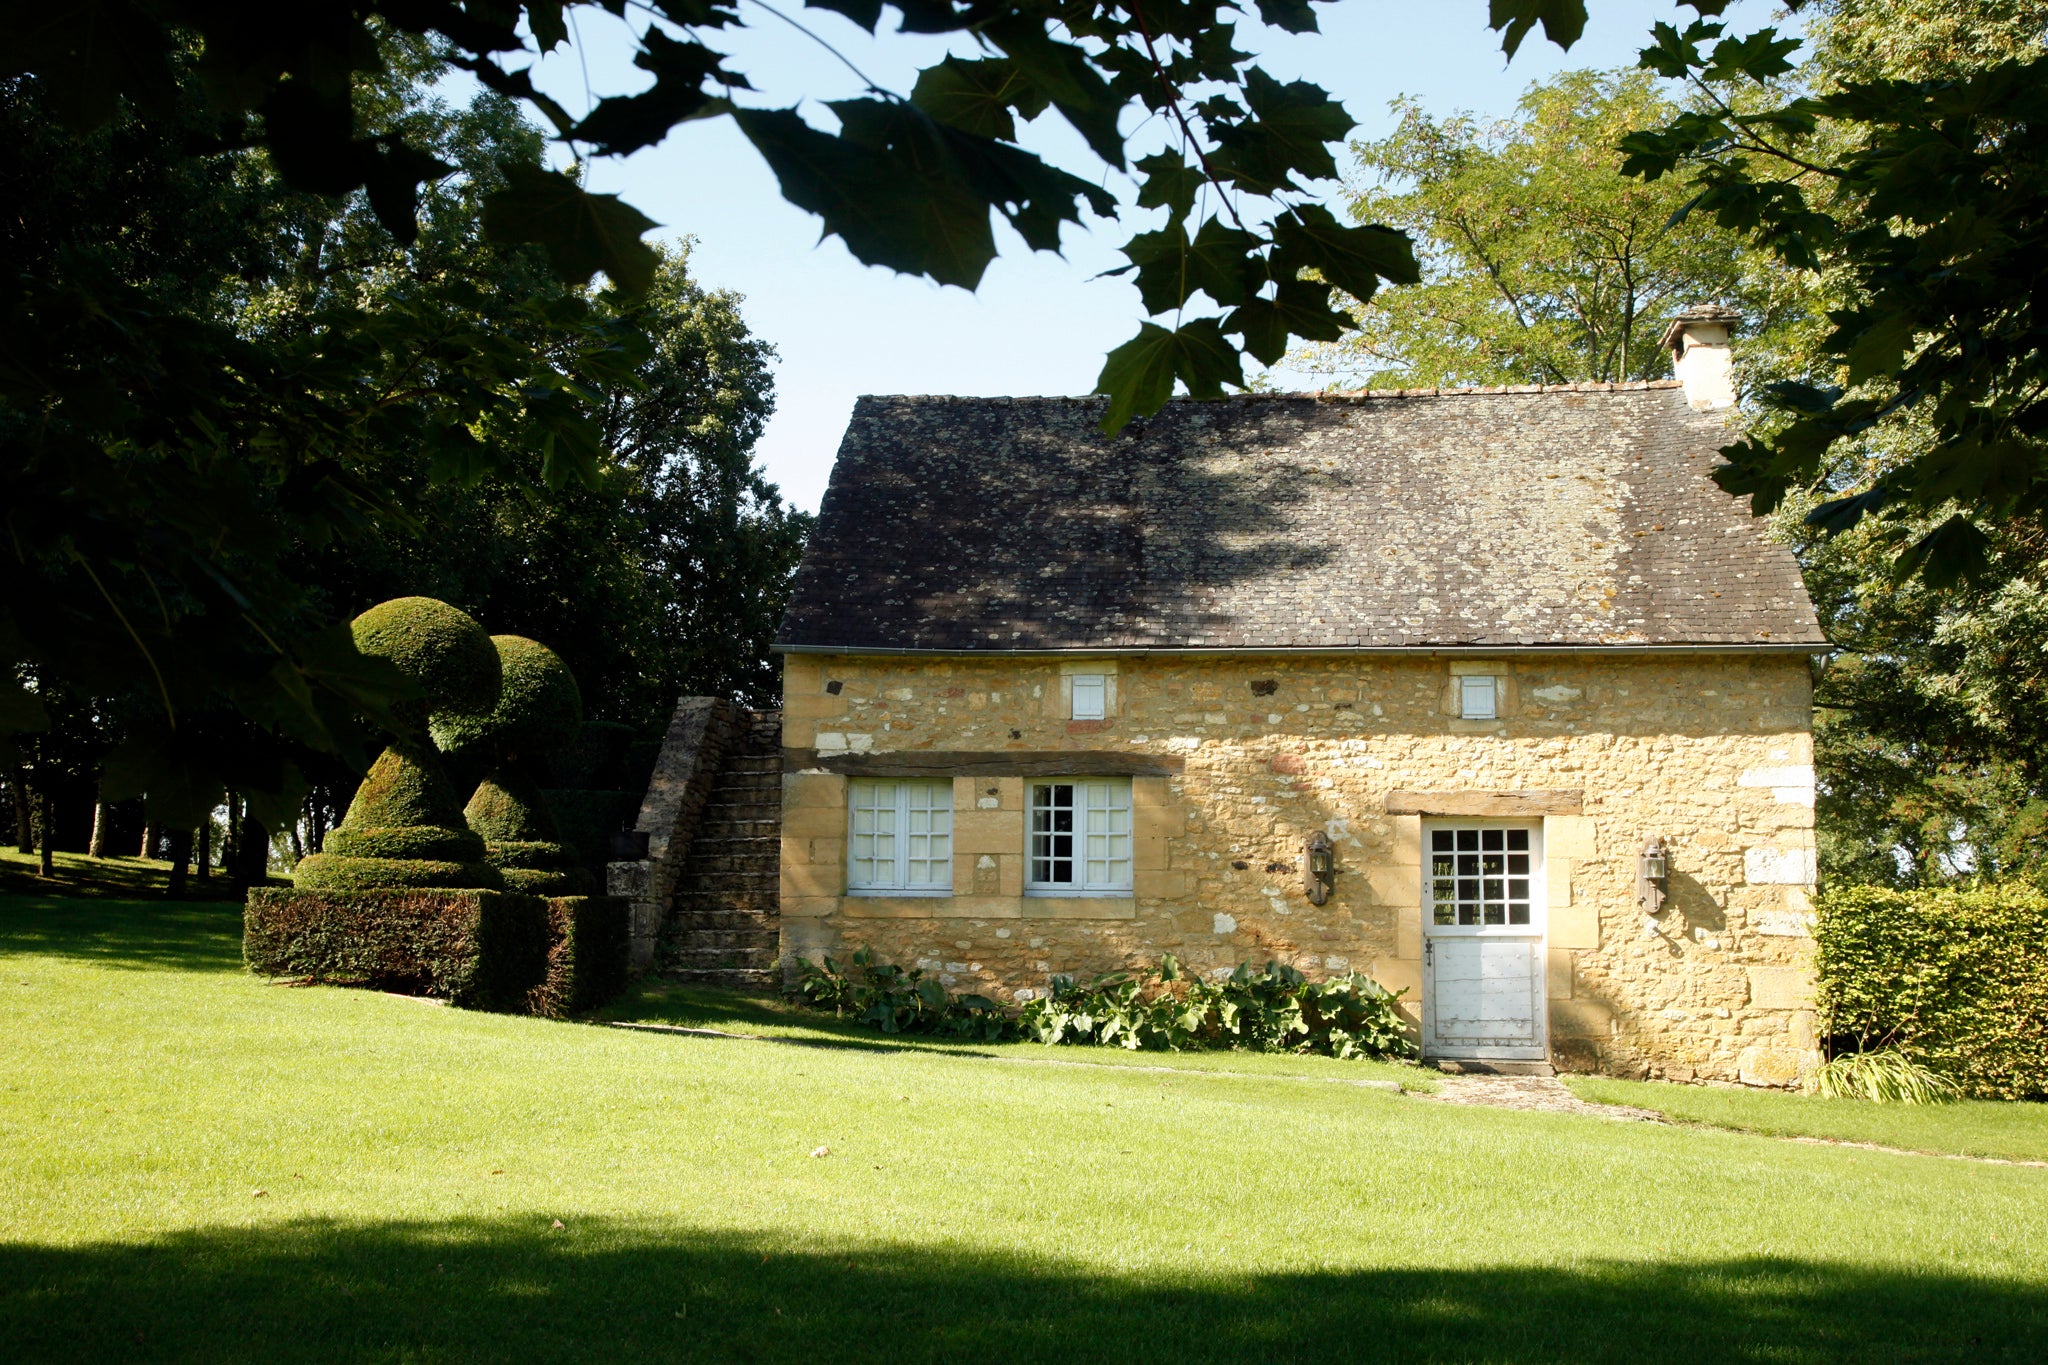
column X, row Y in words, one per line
column 700, row 733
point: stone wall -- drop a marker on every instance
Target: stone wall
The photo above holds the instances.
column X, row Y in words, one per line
column 1236, row 759
column 700, row 732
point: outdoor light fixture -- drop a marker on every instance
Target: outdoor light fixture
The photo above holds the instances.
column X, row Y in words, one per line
column 1653, row 873
column 1318, row 867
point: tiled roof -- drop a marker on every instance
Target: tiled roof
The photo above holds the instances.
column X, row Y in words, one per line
column 1557, row 516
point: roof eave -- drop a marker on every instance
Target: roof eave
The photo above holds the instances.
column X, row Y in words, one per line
column 1296, row 651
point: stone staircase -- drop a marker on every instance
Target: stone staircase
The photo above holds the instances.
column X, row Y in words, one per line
column 724, row 924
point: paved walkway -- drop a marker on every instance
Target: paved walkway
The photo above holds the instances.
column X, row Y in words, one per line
column 1543, row 1093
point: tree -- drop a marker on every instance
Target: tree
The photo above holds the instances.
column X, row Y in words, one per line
column 1922, row 196
column 1542, row 263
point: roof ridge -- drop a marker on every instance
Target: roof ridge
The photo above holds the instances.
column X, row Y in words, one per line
column 1305, row 395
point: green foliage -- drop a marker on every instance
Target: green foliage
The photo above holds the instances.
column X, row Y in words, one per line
column 537, row 709
column 900, row 1000
column 1887, row 1076
column 403, row 816
column 590, row 948
column 511, row 814
column 1273, row 1009
column 1918, row 197
column 910, row 183
column 1956, row 979
column 475, row 948
column 1541, row 262
column 442, row 651
column 587, row 818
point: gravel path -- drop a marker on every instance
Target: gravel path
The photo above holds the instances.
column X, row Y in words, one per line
column 1543, row 1093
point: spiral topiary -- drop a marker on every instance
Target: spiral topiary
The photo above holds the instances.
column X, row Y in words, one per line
column 539, row 709
column 403, row 829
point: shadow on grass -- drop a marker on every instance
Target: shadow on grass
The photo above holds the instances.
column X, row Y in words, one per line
column 204, row 936
column 655, row 1001
column 517, row 1290
column 120, row 878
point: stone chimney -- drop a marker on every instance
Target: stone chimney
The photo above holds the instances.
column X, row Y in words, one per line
column 1698, row 341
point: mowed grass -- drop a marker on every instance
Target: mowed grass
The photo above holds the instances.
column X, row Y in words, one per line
column 2009, row 1132
column 414, row 1162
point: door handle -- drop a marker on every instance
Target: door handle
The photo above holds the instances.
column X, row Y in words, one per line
column 1429, row 950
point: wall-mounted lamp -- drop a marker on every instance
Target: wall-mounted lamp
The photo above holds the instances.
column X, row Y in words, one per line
column 1318, row 867
column 1653, row 872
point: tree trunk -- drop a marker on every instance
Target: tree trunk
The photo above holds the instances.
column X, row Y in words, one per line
column 252, row 854
column 24, row 818
column 202, row 850
column 46, row 859
column 148, row 839
column 100, row 815
column 306, row 818
column 179, row 846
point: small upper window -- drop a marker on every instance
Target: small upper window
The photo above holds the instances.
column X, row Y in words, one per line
column 1091, row 696
column 1478, row 698
column 902, row 837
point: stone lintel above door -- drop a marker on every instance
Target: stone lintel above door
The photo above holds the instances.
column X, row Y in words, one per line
column 1493, row 805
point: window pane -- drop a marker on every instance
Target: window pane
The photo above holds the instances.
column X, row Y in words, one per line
column 1080, row 835
column 901, row 835
column 1440, row 840
column 1480, row 877
column 1518, row 840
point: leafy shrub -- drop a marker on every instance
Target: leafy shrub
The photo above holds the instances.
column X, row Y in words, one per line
column 901, row 1000
column 538, row 709
column 1887, row 1076
column 403, row 828
column 589, row 951
column 439, row 648
column 587, row 819
column 481, row 949
column 1957, row 980
column 1273, row 1009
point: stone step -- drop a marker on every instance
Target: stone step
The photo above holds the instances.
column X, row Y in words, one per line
column 749, row 838
column 718, row 961
column 685, row 924
column 734, row 884
column 719, row 865
column 733, row 978
column 725, row 942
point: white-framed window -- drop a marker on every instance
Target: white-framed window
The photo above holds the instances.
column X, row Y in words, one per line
column 1091, row 696
column 1080, row 837
column 1484, row 877
column 900, row 836
column 1478, row 697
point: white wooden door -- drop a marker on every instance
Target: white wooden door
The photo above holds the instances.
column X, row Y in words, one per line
column 1482, row 984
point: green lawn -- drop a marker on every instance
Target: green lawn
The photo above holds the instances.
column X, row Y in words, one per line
column 77, row 875
column 2014, row 1132
column 413, row 1163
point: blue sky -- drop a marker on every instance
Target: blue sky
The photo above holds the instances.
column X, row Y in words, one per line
column 1039, row 324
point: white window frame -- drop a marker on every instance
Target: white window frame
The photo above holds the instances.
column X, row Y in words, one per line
column 1478, row 696
column 885, row 857
column 1088, row 695
column 1533, row 894
column 1100, row 842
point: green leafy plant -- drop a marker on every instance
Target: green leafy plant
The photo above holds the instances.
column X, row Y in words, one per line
column 1887, row 1076
column 1272, row 1009
column 901, row 1000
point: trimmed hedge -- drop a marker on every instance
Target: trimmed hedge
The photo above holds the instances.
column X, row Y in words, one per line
column 1956, row 979
column 539, row 708
column 442, row 649
column 479, row 949
column 332, row 872
column 403, row 829
column 590, row 949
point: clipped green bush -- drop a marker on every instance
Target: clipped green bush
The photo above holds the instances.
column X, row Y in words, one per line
column 538, row 710
column 1957, row 980
column 475, row 948
column 588, row 957
column 404, row 828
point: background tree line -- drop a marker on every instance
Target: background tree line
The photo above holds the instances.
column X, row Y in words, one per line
column 561, row 463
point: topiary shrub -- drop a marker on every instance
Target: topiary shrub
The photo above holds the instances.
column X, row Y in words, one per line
column 404, row 828
column 588, row 957
column 1956, row 980
column 479, row 949
column 539, row 709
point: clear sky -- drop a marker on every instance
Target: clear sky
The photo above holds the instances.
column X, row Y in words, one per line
column 1039, row 324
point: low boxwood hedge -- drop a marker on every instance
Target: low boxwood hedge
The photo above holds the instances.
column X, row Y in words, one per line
column 1957, row 979
column 481, row 949
column 588, row 956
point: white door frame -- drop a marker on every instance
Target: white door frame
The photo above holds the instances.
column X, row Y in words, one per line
column 1534, row 934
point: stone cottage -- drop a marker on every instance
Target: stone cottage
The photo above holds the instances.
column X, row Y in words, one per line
column 1056, row 702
